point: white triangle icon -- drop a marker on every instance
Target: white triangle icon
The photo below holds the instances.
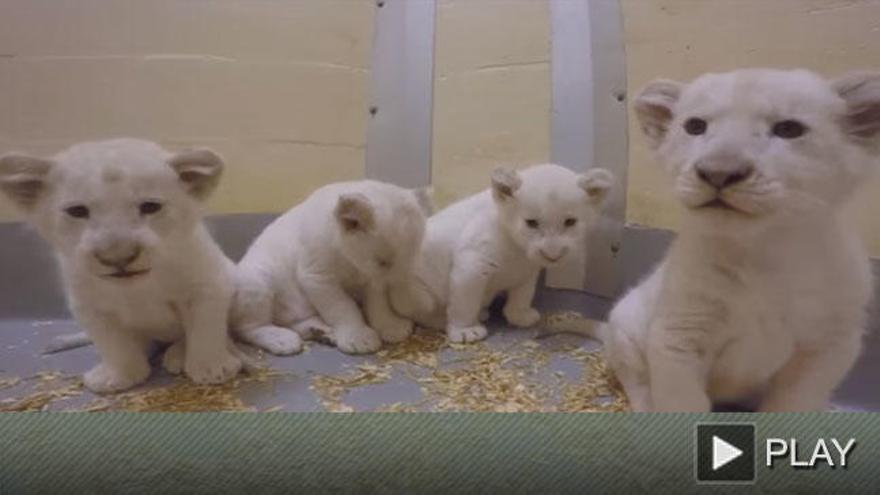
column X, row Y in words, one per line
column 723, row 453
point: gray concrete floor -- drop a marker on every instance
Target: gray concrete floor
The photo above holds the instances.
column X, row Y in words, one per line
column 32, row 312
column 22, row 343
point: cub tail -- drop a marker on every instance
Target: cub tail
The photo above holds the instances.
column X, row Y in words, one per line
column 67, row 342
column 571, row 322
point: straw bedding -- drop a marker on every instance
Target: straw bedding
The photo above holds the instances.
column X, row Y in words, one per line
column 452, row 377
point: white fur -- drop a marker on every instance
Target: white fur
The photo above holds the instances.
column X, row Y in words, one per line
column 764, row 301
column 310, row 269
column 482, row 246
column 162, row 277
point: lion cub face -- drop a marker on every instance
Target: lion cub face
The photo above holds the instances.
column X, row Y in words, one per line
column 381, row 230
column 547, row 209
column 750, row 144
column 113, row 208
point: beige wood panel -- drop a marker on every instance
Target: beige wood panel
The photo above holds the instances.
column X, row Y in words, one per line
column 280, row 88
column 681, row 39
column 322, row 32
column 491, row 91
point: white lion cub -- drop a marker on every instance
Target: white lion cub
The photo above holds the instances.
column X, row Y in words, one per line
column 138, row 266
column 762, row 297
column 498, row 241
column 309, row 270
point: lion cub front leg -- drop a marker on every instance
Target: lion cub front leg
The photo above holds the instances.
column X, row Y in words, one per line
column 174, row 357
column 467, row 287
column 391, row 328
column 807, row 380
column 207, row 357
column 678, row 372
column 253, row 314
column 124, row 360
column 342, row 314
column 518, row 309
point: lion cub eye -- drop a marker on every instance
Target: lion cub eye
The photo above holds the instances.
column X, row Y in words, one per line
column 789, row 129
column 77, row 211
column 570, row 222
column 695, row 126
column 532, row 223
column 149, row 207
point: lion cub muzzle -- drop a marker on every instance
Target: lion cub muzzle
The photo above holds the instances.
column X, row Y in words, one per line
column 121, row 256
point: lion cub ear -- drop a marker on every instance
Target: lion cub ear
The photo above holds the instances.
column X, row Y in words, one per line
column 653, row 108
column 354, row 213
column 505, row 182
column 23, row 178
column 424, row 197
column 199, row 171
column 861, row 92
column 596, row 182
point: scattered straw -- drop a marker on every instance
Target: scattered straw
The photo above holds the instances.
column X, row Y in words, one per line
column 420, row 350
column 487, row 381
column 516, row 378
column 49, row 387
column 180, row 396
column 331, row 388
column 9, row 382
column 185, row 396
column 597, row 390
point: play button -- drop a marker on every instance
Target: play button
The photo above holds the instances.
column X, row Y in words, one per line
column 723, row 453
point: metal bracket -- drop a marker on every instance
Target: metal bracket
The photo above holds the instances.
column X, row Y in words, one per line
column 589, row 128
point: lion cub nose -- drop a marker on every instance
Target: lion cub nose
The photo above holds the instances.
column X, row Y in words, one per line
column 118, row 256
column 554, row 254
column 720, row 177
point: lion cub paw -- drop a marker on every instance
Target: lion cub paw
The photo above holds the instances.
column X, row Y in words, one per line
column 277, row 340
column 314, row 328
column 358, row 340
column 174, row 357
column 467, row 334
column 217, row 369
column 396, row 331
column 102, row 379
